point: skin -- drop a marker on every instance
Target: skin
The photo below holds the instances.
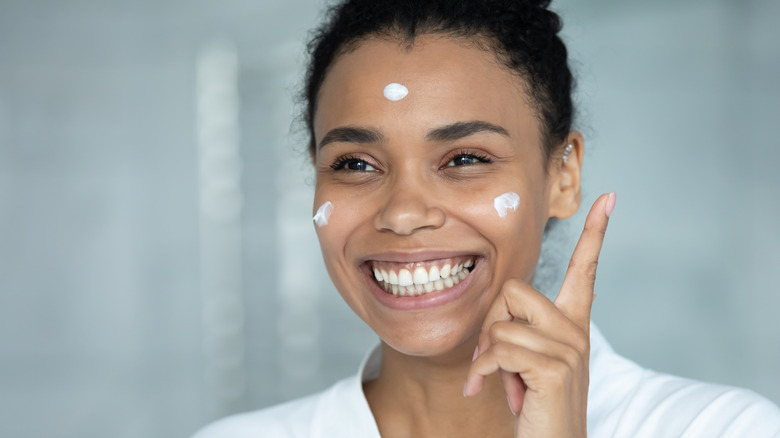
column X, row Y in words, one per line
column 402, row 195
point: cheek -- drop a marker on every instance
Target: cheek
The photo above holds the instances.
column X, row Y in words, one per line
column 497, row 214
column 329, row 223
column 511, row 224
column 335, row 218
column 325, row 216
column 506, row 203
column 322, row 216
column 346, row 217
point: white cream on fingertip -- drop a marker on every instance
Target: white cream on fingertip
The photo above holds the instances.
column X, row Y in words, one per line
column 323, row 214
column 504, row 203
column 395, row 92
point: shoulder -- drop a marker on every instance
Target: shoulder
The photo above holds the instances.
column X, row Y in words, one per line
column 628, row 400
column 291, row 419
column 684, row 407
column 341, row 411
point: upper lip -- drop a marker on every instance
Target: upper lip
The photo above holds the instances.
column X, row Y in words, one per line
column 415, row 256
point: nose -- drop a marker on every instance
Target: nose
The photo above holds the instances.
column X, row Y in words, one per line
column 408, row 209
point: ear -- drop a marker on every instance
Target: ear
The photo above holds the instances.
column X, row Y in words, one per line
column 565, row 192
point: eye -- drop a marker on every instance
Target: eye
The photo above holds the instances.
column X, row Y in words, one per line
column 352, row 164
column 467, row 159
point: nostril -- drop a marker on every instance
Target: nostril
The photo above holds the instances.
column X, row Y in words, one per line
column 404, row 217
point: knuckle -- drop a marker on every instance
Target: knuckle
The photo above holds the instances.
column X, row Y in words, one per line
column 590, row 269
column 572, row 358
column 558, row 372
column 581, row 343
column 514, row 293
column 511, row 285
column 494, row 332
column 587, row 268
column 499, row 331
column 598, row 230
column 502, row 352
column 506, row 293
column 512, row 290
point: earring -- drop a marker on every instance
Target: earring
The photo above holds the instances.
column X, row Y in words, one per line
column 566, row 152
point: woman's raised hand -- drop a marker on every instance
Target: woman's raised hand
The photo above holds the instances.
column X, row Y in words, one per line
column 541, row 348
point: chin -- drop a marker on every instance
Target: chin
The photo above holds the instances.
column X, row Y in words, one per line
column 430, row 339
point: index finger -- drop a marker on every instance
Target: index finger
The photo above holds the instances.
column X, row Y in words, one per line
column 576, row 295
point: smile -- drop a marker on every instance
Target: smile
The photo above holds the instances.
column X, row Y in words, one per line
column 420, row 278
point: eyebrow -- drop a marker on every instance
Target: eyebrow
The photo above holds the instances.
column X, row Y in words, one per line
column 350, row 134
column 460, row 130
column 451, row 132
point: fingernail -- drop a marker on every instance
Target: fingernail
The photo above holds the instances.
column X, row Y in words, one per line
column 510, row 406
column 465, row 385
column 476, row 353
column 611, row 203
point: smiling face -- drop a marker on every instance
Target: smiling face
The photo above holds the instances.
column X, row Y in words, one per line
column 414, row 243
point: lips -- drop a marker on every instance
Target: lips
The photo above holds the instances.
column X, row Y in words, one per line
column 414, row 279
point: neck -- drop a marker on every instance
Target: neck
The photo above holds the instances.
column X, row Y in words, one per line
column 423, row 396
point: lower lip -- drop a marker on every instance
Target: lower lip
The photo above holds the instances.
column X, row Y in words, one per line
column 425, row 301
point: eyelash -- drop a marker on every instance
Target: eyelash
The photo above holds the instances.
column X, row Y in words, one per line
column 341, row 162
column 480, row 157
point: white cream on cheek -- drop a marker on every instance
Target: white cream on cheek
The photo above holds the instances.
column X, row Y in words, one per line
column 323, row 214
column 504, row 203
column 395, row 92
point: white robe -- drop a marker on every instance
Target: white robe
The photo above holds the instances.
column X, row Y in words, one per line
column 624, row 400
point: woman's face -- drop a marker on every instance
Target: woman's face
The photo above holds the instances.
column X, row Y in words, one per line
column 412, row 183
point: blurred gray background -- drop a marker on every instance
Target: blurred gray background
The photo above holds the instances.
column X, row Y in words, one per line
column 158, row 266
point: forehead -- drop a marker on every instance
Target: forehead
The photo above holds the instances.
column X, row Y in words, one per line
column 448, row 80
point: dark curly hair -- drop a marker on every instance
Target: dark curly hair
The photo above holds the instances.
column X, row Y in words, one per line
column 523, row 34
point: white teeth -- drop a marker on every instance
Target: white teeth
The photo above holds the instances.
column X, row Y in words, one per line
column 420, row 281
column 433, row 274
column 405, row 278
column 420, row 275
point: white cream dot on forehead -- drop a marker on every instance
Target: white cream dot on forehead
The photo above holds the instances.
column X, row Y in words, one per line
column 395, row 92
column 323, row 214
column 504, row 203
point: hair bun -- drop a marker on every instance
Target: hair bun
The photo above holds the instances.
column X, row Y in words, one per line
column 543, row 4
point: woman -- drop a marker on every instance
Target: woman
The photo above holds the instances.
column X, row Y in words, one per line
column 442, row 141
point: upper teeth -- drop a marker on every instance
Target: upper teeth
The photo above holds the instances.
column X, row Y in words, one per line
column 420, row 279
